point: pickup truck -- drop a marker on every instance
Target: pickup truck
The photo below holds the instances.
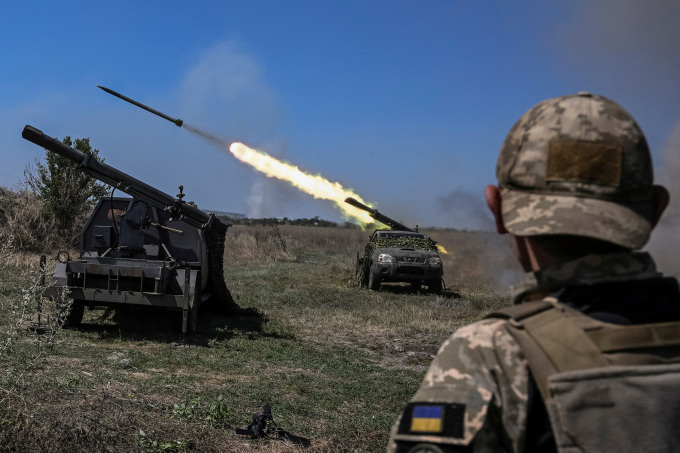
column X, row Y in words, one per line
column 400, row 256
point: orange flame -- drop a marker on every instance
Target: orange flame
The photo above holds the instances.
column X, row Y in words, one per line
column 315, row 185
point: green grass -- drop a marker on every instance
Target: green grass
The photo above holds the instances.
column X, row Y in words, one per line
column 336, row 363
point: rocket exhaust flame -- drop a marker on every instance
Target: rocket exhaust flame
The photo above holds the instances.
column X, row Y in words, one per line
column 314, row 185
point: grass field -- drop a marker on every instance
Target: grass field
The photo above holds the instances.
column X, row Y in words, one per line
column 336, row 363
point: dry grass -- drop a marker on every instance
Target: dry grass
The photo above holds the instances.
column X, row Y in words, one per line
column 273, row 243
column 28, row 228
column 336, row 363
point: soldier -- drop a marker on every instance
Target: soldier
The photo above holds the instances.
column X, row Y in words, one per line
column 587, row 359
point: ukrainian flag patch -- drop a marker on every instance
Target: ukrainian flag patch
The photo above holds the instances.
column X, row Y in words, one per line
column 427, row 419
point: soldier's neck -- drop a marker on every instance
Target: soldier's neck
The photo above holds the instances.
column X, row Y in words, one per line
column 532, row 256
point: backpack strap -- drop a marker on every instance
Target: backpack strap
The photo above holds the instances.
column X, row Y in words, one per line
column 518, row 312
column 550, row 341
column 638, row 336
column 556, row 338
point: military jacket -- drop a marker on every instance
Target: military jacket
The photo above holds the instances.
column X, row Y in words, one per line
column 475, row 394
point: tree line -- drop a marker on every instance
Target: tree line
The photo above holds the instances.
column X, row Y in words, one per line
column 313, row 222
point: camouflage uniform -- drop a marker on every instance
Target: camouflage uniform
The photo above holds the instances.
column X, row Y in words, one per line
column 573, row 165
column 482, row 367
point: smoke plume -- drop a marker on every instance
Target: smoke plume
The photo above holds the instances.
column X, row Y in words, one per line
column 667, row 232
column 464, row 210
column 629, row 43
column 226, row 91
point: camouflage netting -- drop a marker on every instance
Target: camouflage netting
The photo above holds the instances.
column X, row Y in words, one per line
column 221, row 299
column 403, row 242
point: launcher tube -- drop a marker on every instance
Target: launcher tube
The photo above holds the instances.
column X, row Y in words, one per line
column 114, row 177
column 393, row 224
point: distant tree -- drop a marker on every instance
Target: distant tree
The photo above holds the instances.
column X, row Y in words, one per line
column 66, row 192
column 268, row 221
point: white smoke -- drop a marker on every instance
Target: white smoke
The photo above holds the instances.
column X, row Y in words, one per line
column 226, row 88
column 255, row 201
column 464, row 210
column 226, row 94
column 667, row 233
column 628, row 44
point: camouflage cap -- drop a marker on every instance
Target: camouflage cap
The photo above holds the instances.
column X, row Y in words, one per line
column 577, row 165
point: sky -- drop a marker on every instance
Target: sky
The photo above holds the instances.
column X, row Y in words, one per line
column 405, row 102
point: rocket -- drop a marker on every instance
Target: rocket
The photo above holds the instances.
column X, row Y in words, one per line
column 177, row 122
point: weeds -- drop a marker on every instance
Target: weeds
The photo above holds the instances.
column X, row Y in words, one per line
column 218, row 412
column 279, row 240
column 149, row 444
column 336, row 364
column 32, row 328
column 186, row 411
column 215, row 413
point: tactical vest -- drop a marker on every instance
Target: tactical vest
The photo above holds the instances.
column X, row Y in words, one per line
column 606, row 387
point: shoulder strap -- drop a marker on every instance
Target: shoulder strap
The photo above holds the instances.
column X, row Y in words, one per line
column 637, row 336
column 555, row 338
column 521, row 311
column 550, row 341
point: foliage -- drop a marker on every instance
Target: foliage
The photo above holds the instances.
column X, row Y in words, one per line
column 32, row 328
column 66, row 192
column 26, row 224
column 154, row 445
column 215, row 412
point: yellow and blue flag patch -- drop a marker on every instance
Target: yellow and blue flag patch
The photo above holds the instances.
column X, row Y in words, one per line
column 427, row 419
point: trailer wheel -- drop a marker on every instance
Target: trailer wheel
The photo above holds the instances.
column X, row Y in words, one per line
column 75, row 315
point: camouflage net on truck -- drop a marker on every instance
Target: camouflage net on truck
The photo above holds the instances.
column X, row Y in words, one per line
column 221, row 300
column 364, row 266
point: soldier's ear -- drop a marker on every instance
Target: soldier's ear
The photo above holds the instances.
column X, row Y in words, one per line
column 660, row 200
column 494, row 200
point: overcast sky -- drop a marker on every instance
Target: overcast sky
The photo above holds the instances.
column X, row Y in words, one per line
column 406, row 102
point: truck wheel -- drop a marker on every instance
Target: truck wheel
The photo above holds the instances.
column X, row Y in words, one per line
column 434, row 286
column 363, row 281
column 359, row 274
column 373, row 281
column 75, row 315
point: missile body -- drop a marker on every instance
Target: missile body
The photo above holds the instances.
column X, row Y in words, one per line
column 177, row 122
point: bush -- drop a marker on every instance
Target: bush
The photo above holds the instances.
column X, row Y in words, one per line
column 66, row 193
column 27, row 225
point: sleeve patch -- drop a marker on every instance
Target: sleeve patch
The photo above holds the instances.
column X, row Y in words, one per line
column 427, row 419
column 444, row 419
